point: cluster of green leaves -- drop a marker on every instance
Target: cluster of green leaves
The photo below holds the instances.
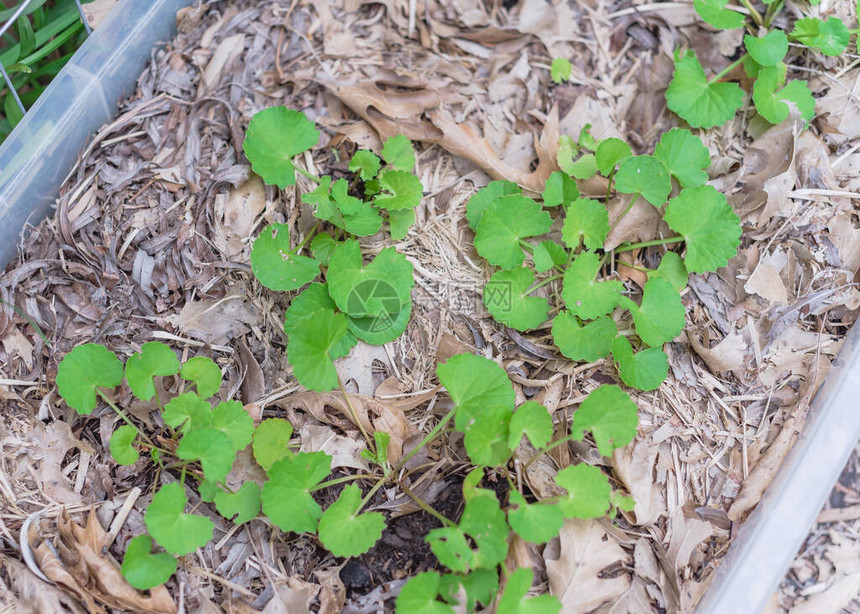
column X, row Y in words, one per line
column 370, row 302
column 594, row 316
column 43, row 39
column 704, row 102
column 476, row 546
column 208, row 439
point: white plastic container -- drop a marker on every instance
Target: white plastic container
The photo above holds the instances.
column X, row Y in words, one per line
column 38, row 155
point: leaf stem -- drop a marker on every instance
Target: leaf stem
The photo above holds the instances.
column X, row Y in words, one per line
column 544, row 282
column 427, row 439
column 543, row 451
column 354, row 413
column 623, row 213
column 632, row 246
column 426, row 507
column 309, row 235
column 772, row 12
column 727, row 69
column 369, row 495
column 347, row 478
column 609, row 188
column 753, row 12
column 125, row 418
column 526, row 245
column 307, row 174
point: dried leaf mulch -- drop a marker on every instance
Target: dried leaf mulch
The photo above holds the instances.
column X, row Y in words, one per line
column 151, row 240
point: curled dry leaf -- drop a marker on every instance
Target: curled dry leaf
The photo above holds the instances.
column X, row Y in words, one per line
column 420, row 116
column 332, row 408
column 292, row 597
column 217, row 321
column 91, row 575
column 345, row 451
column 574, row 562
column 635, row 467
column 55, row 440
column 33, row 595
column 729, row 354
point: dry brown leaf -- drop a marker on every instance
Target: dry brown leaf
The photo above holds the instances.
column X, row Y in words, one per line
column 685, row 534
column 88, row 572
column 33, row 596
column 224, row 56
column 375, row 415
column 235, row 217
column 634, row 465
column 729, row 354
column 217, row 321
column 292, row 597
column 55, row 440
column 574, row 560
column 345, row 451
column 392, row 113
column 639, row 224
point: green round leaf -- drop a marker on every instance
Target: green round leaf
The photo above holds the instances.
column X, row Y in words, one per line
column 660, row 317
column 274, row 137
column 397, row 152
column 244, row 504
column 646, row 176
column 481, row 586
column 177, row 532
column 644, row 370
column 275, row 265
column 322, row 247
column 830, row 37
column 700, row 103
column 382, row 287
column 560, row 70
column 685, row 157
column 287, row 499
column 532, row 420
column 770, row 49
column 484, row 522
column 589, row 342
column 487, row 433
column 153, row 359
column 548, row 254
column 534, row 522
column 231, row 419
column 560, row 189
column 474, row 382
column 312, row 350
column 583, row 295
column 609, row 153
column 418, row 596
column 271, row 441
column 610, row 414
column 204, row 373
column 585, row 220
column 710, row 228
column 400, row 190
column 671, row 269
column 399, row 223
column 187, row 410
column 486, row 195
column 714, row 13
column 771, row 104
column 504, row 222
column 81, row 371
column 506, row 297
column 212, row 448
column 145, row 570
column 584, row 168
column 121, row 448
column 515, row 599
column 587, row 491
column 345, row 532
column 365, row 163
column 313, row 298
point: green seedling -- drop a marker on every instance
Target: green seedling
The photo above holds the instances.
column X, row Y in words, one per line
column 560, row 70
column 707, row 102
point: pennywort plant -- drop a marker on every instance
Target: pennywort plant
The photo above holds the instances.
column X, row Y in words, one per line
column 593, row 316
column 705, row 102
column 199, row 441
column 353, row 300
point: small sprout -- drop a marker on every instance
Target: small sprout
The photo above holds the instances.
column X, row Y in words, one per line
column 646, row 176
column 506, row 297
column 583, row 295
column 121, row 448
column 398, row 153
column 504, row 223
column 699, row 102
column 610, row 415
column 560, row 189
column 365, row 163
column 212, row 448
column 560, row 70
column 515, row 599
column 482, row 198
column 286, row 497
column 590, row 341
column 344, row 531
column 145, row 570
column 534, row 522
column 644, row 370
column 241, row 506
column 274, row 263
column 684, row 156
column 153, row 359
column 275, row 136
column 585, row 221
column 587, row 491
column 271, row 442
column 532, row 420
column 660, row 316
column 474, row 382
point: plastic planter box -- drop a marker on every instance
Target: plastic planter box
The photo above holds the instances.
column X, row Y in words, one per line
column 43, row 148
column 40, row 152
